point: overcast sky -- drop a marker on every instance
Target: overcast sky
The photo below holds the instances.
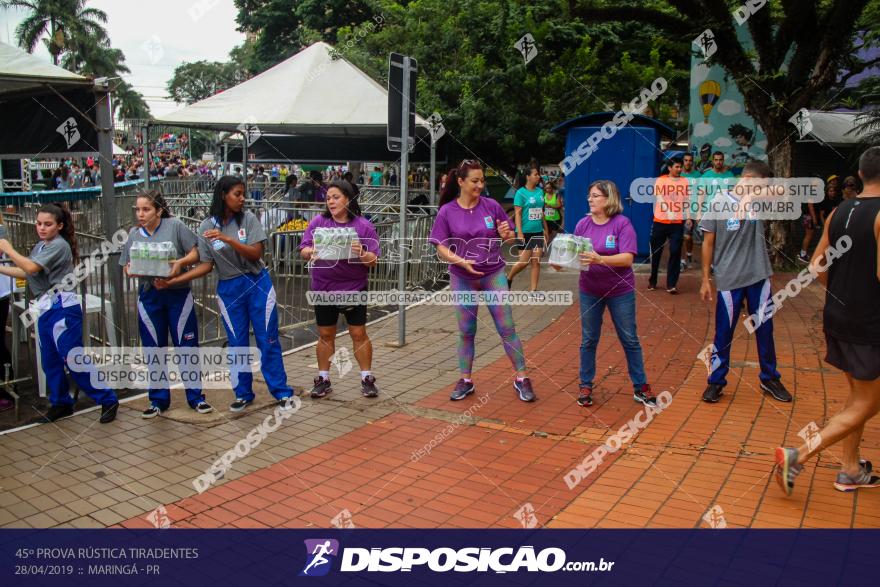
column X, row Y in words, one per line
column 156, row 36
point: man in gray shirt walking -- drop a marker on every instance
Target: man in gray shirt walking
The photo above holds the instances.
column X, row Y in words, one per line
column 738, row 249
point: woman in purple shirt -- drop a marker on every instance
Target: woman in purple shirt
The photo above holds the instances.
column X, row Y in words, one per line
column 610, row 283
column 468, row 232
column 347, row 275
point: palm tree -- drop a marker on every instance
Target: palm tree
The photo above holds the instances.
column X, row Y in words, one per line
column 78, row 41
column 63, row 25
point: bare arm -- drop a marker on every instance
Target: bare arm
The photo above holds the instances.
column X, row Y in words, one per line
column 16, row 272
column 517, row 219
column 21, row 261
column 449, row 257
column 819, row 254
column 202, row 269
column 706, row 261
column 618, row 260
column 250, row 252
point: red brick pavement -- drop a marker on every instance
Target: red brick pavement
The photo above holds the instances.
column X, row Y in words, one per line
column 690, row 458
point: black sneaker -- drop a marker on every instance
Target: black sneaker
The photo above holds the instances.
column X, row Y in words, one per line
column 203, row 408
column 672, row 290
column 803, row 258
column 713, row 393
column 239, row 404
column 58, row 412
column 524, row 389
column 645, row 395
column 368, row 386
column 775, row 388
column 151, row 412
column 322, row 387
column 108, row 412
column 652, row 286
column 585, row 399
column 462, row 390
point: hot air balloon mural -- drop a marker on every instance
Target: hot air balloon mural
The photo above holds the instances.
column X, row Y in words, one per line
column 710, row 90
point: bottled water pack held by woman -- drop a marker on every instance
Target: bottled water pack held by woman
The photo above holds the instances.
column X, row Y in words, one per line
column 334, row 243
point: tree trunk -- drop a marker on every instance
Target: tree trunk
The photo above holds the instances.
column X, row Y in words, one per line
column 780, row 145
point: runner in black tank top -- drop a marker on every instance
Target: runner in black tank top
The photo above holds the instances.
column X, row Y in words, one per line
column 851, row 312
column 846, row 259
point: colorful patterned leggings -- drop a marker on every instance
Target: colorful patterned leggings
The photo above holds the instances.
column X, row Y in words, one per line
column 502, row 315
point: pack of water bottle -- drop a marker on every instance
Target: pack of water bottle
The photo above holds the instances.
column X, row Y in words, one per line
column 153, row 259
column 566, row 249
column 334, row 243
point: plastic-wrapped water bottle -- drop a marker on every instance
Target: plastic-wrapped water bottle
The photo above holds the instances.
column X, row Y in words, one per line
column 137, row 258
column 152, row 259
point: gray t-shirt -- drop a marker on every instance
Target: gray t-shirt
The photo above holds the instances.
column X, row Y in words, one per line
column 226, row 260
column 56, row 260
column 169, row 230
column 740, row 255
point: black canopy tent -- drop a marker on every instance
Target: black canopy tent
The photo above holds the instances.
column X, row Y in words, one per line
column 47, row 111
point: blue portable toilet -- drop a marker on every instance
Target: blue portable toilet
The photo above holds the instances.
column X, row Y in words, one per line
column 634, row 151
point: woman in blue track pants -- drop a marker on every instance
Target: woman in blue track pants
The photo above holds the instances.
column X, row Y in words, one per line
column 59, row 325
column 168, row 309
column 232, row 241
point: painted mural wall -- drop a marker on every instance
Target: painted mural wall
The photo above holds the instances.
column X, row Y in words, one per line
column 718, row 120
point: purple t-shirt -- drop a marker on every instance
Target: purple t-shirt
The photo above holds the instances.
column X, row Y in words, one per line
column 615, row 236
column 471, row 234
column 345, row 274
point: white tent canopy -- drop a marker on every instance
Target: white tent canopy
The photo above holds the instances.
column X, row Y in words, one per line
column 308, row 94
column 19, row 70
column 834, row 128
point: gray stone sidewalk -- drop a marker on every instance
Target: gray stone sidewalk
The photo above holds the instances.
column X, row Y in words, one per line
column 78, row 473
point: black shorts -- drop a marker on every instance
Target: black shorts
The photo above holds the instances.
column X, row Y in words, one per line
column 861, row 361
column 533, row 240
column 328, row 315
column 554, row 226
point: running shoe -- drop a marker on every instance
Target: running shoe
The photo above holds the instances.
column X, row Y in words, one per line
column 776, row 390
column 58, row 412
column 585, row 399
column 652, row 286
column 803, row 258
column 322, row 387
column 151, row 412
column 462, row 390
column 713, row 393
column 524, row 389
column 787, row 468
column 368, row 386
column 108, row 412
column 645, row 395
column 684, row 265
column 672, row 290
column 239, row 404
column 864, row 480
column 204, row 408
column 286, row 404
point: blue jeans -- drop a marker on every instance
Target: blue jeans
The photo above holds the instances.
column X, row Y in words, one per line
column 623, row 314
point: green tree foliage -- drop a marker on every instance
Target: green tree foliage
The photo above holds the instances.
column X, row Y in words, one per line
column 201, row 79
column 495, row 107
column 284, row 27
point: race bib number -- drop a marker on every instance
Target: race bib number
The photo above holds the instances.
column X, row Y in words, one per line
column 549, row 212
column 535, row 214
